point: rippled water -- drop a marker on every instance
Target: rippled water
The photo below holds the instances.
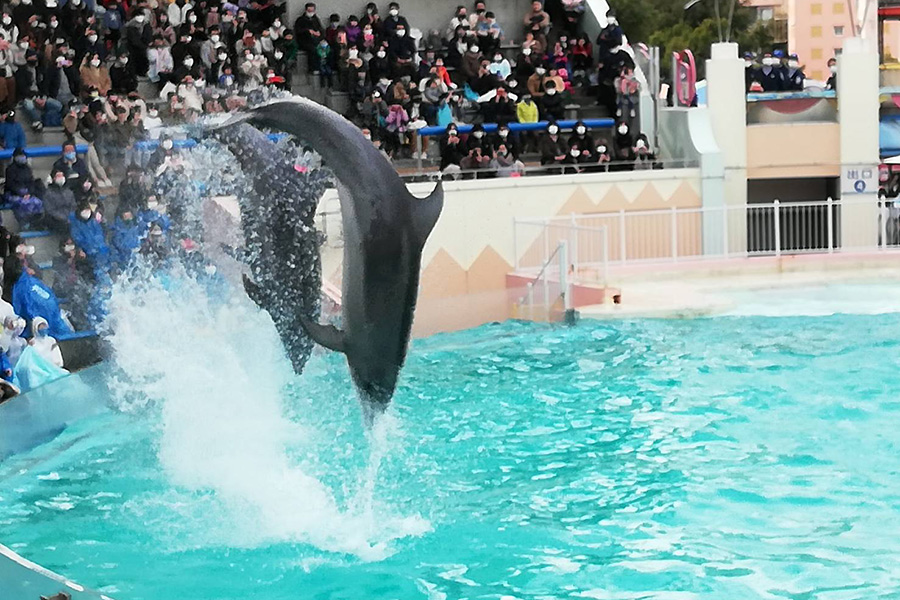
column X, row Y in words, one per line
column 731, row 458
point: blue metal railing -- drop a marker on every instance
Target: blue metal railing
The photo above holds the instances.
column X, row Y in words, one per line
column 539, row 126
column 42, row 151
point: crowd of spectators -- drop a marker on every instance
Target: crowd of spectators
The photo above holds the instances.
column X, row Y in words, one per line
column 113, row 74
column 778, row 72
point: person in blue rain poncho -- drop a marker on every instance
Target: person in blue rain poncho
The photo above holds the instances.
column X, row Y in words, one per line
column 87, row 233
column 126, row 235
column 153, row 212
column 32, row 299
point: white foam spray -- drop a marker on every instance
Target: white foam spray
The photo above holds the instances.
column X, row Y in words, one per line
column 217, row 374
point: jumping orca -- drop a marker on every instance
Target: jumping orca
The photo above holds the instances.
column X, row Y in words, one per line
column 384, row 227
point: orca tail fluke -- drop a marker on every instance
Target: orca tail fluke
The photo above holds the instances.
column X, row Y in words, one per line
column 327, row 336
column 426, row 211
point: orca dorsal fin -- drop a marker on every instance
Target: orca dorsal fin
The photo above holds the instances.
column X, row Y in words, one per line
column 327, row 336
column 425, row 213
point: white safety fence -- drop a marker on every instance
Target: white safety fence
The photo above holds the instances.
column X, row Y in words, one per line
column 677, row 234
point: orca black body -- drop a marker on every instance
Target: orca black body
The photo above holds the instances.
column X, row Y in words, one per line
column 385, row 228
column 281, row 242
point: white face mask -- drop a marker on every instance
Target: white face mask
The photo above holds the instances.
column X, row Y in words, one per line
column 214, row 38
column 167, row 144
column 551, row 92
column 368, row 136
column 278, row 54
column 60, row 181
column 85, row 214
column 210, row 270
column 152, row 204
column 553, row 130
column 504, row 133
column 601, row 149
column 540, row 70
column 76, row 2
column 276, row 24
column 95, row 63
column 310, row 13
column 394, row 12
column 223, row 57
column 793, row 64
column 7, row 19
column 381, row 54
column 153, row 114
column 192, row 18
column 124, row 60
column 478, row 135
column 526, row 51
column 623, row 130
column 69, row 248
column 353, row 53
column 574, row 152
column 640, row 144
column 92, row 39
column 613, row 21
column 498, row 58
column 189, row 62
column 748, row 63
column 401, row 32
column 139, row 19
column 475, row 49
column 580, row 130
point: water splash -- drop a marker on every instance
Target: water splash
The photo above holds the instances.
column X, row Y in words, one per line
column 213, row 373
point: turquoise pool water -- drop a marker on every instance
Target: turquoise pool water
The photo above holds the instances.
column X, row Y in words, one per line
column 731, row 458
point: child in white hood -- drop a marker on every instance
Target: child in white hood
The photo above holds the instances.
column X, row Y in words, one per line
column 43, row 343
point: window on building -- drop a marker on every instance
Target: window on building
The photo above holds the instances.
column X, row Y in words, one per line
column 838, row 30
column 815, row 31
column 816, row 54
column 838, row 8
column 815, row 8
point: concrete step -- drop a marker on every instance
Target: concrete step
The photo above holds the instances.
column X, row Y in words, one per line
column 339, row 102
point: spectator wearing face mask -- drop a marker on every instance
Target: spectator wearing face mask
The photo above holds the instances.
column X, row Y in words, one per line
column 471, row 62
column 771, row 75
column 552, row 104
column 185, row 47
column 535, row 83
column 88, row 234
column 125, row 237
column 610, row 37
column 309, row 31
column 22, row 191
column 582, row 139
column 623, row 146
column 94, row 75
column 59, row 203
column 12, row 135
column 452, row 151
column 794, row 75
column 552, row 147
column 500, row 67
column 500, row 109
column 161, row 63
column 575, row 160
column 74, row 168
column 33, row 300
column 831, row 84
column 460, row 20
column 164, row 29
column 643, row 154
column 628, row 90
column 43, row 343
column 403, row 52
column 122, row 76
column 138, row 36
column 394, row 20
column 601, row 157
column 489, row 34
column 503, row 136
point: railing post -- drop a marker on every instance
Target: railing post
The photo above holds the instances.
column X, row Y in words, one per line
column 564, row 283
column 622, row 235
column 605, row 256
column 674, row 234
column 777, row 229
column 419, row 152
column 725, row 230
column 883, row 213
column 573, row 243
column 830, row 220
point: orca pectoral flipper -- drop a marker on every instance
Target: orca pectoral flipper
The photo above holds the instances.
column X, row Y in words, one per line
column 327, row 336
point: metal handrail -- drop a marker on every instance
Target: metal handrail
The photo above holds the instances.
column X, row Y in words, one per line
column 530, row 285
